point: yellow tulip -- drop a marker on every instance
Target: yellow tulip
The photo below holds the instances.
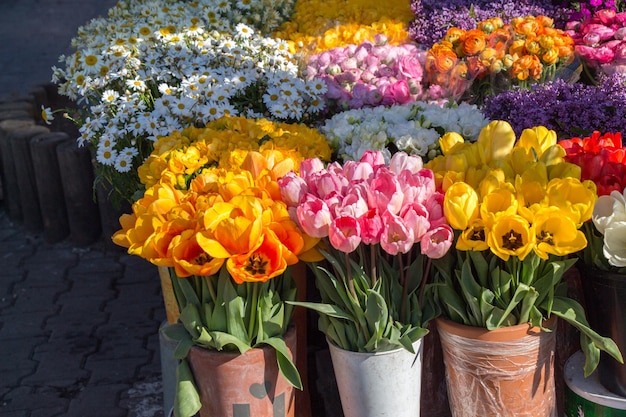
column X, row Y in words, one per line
column 553, row 155
column 564, row 170
column 531, row 196
column 262, row 263
column 449, row 142
column 538, row 138
column 499, row 202
column 492, row 181
column 556, row 233
column 190, row 259
column 574, row 198
column 460, row 205
column 474, row 237
column 511, row 236
column 496, row 141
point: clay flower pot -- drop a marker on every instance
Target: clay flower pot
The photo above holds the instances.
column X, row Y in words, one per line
column 243, row 385
column 507, row 372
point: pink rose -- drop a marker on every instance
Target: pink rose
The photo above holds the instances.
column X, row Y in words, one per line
column 605, row 16
column 314, row 216
column 396, row 237
column 398, row 91
column 410, row 67
column 436, row 242
column 344, row 234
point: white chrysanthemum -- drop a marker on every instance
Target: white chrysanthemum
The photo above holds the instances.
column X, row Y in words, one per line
column 110, row 96
column 123, row 163
column 136, row 84
column 90, row 61
column 106, row 156
column 244, row 31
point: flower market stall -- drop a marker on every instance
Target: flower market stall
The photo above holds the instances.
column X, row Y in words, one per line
column 417, row 181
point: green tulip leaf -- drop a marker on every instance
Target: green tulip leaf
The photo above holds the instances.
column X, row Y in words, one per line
column 285, row 363
column 187, row 401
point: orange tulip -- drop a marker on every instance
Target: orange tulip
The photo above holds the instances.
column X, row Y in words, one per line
column 261, row 264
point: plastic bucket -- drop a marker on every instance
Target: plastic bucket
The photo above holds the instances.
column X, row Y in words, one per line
column 379, row 384
column 587, row 396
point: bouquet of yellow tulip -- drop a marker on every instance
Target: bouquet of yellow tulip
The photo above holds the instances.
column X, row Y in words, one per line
column 516, row 207
column 495, row 56
column 213, row 214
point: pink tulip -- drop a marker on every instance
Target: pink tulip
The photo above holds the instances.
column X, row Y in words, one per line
column 396, row 237
column 310, row 166
column 415, row 216
column 436, row 242
column 374, row 158
column 401, row 161
column 417, row 187
column 344, row 234
column 328, row 183
column 314, row 216
column 434, row 205
column 384, row 193
column 358, row 171
column 293, row 188
column 371, row 227
column 354, row 204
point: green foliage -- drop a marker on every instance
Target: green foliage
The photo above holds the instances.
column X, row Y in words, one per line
column 218, row 314
column 481, row 290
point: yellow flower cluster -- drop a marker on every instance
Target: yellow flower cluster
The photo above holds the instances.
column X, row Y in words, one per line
column 232, row 217
column 213, row 198
column 513, row 197
column 528, row 48
column 225, row 142
column 318, row 25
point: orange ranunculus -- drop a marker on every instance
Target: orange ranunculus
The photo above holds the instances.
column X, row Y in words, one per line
column 550, row 57
column 527, row 66
column 517, row 48
column 527, row 26
column 190, row 259
column 546, row 41
column 488, row 55
column 454, row 35
column 476, row 68
column 544, row 21
column 532, row 45
column 499, row 39
column 261, row 264
column 474, row 42
column 441, row 58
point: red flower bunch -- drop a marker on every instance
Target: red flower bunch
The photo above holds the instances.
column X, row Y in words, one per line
column 602, row 159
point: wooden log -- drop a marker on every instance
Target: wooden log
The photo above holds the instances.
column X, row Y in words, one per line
column 10, row 189
column 77, row 177
column 49, row 185
column 15, row 114
column 25, row 173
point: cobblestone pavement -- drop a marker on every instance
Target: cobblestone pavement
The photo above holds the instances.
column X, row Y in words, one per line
column 78, row 325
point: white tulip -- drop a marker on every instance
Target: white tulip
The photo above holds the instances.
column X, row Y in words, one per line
column 615, row 243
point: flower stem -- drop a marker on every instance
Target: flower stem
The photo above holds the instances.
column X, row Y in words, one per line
column 349, row 272
column 373, row 265
column 425, row 274
column 405, row 287
column 253, row 308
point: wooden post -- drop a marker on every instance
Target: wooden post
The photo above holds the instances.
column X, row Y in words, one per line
column 49, row 185
column 10, row 189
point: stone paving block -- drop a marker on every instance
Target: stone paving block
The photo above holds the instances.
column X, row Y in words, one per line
column 18, row 373
column 53, row 275
column 111, row 371
column 36, row 399
column 57, row 366
column 89, row 264
column 86, row 284
column 13, row 354
column 51, row 255
column 74, row 344
column 18, row 326
column 144, row 398
column 32, row 299
column 80, row 306
column 98, row 401
column 123, row 347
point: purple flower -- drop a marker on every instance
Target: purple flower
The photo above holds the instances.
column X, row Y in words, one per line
column 569, row 109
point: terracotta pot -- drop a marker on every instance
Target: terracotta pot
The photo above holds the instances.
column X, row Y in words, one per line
column 605, row 293
column 243, row 385
column 507, row 372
